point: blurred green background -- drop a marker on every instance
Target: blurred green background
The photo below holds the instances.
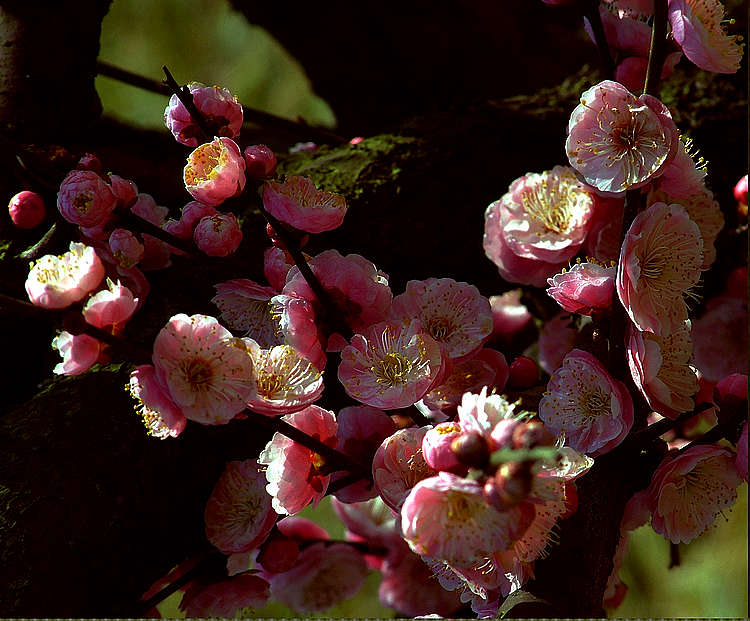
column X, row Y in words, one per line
column 205, row 41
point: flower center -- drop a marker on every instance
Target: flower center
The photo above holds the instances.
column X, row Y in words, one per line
column 440, row 328
column 197, row 374
column 269, row 384
column 551, row 204
column 392, row 369
column 202, row 163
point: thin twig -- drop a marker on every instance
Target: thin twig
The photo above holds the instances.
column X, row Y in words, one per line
column 132, row 221
column 300, row 130
column 185, row 96
column 657, row 51
column 591, row 12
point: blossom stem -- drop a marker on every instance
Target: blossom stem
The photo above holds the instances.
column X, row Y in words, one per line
column 657, row 51
column 300, row 130
column 334, row 459
column 661, row 427
column 591, row 12
column 135, row 222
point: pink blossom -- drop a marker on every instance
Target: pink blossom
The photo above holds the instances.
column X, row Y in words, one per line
column 703, row 210
column 283, row 380
column 276, row 266
column 626, row 25
column 534, row 229
column 659, row 264
column 390, row 365
column 399, row 465
column 244, row 306
column 361, row 430
column 586, row 288
column 631, row 71
column 218, row 235
column 732, row 387
column 260, row 162
column 685, row 175
column 720, row 339
column 582, row 400
column 111, row 307
column 85, row 198
column 452, row 313
column 557, row 338
column 79, row 353
column 603, row 239
column 206, row 371
column 356, row 285
column 238, row 514
column 299, row 203
column 125, row 190
column 436, row 448
column 59, row 281
column 480, row 413
column 487, row 368
column 323, row 576
column 297, row 326
column 659, row 366
column 225, row 597
column 161, row 416
column 295, row 473
column 698, row 27
column 617, row 141
column 190, row 215
column 523, row 372
column 741, row 461
column 125, row 247
column 509, row 315
column 27, row 210
column 215, row 171
column 448, row 518
column 89, row 161
column 218, row 107
column 740, row 190
column 689, row 489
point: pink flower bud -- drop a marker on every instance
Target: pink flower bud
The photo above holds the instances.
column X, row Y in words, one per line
column 740, row 190
column 125, row 247
column 278, row 554
column 585, row 288
column 110, row 307
column 215, row 171
column 219, row 235
column 531, row 434
column 89, row 161
column 79, row 353
column 85, row 198
column 260, row 162
column 502, row 433
column 191, row 214
column 471, row 449
column 523, row 373
column 436, row 448
column 26, row 210
column 124, row 190
column 220, row 110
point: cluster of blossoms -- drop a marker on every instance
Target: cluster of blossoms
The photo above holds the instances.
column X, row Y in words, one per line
column 445, row 484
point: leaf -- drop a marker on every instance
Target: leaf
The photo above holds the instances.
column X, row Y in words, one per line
column 516, row 598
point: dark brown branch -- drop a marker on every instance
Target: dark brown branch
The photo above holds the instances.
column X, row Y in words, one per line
column 591, row 12
column 184, row 95
column 657, row 51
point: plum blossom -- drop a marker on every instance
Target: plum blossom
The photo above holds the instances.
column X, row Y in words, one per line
column 356, row 285
column 79, row 353
column 659, row 366
column 190, row 215
column 161, row 416
column 586, row 288
column 660, row 262
column 244, row 306
column 603, row 239
column 447, row 517
column 509, row 315
column 299, row 203
column 225, row 597
column 323, row 576
column 626, row 25
column 617, row 141
column 689, row 489
column 631, row 71
column 452, row 313
column 582, row 400
column 283, row 380
column 295, row 323
column 260, row 161
column 206, row 371
column 698, row 28
column 215, row 171
column 27, row 210
column 125, row 190
column 537, row 226
column 125, row 247
column 218, row 235
column 557, row 338
column 436, row 448
column 85, row 198
column 238, row 514
column 480, row 413
column 295, row 473
column 391, row 365
column 59, row 281
column 399, row 465
column 218, row 107
column 112, row 307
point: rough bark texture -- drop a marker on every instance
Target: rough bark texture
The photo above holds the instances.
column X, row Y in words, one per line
column 92, row 511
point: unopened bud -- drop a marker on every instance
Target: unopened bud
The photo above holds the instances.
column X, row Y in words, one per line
column 27, row 210
column 523, row 373
column 260, row 162
column 471, row 449
column 278, row 555
column 531, row 434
